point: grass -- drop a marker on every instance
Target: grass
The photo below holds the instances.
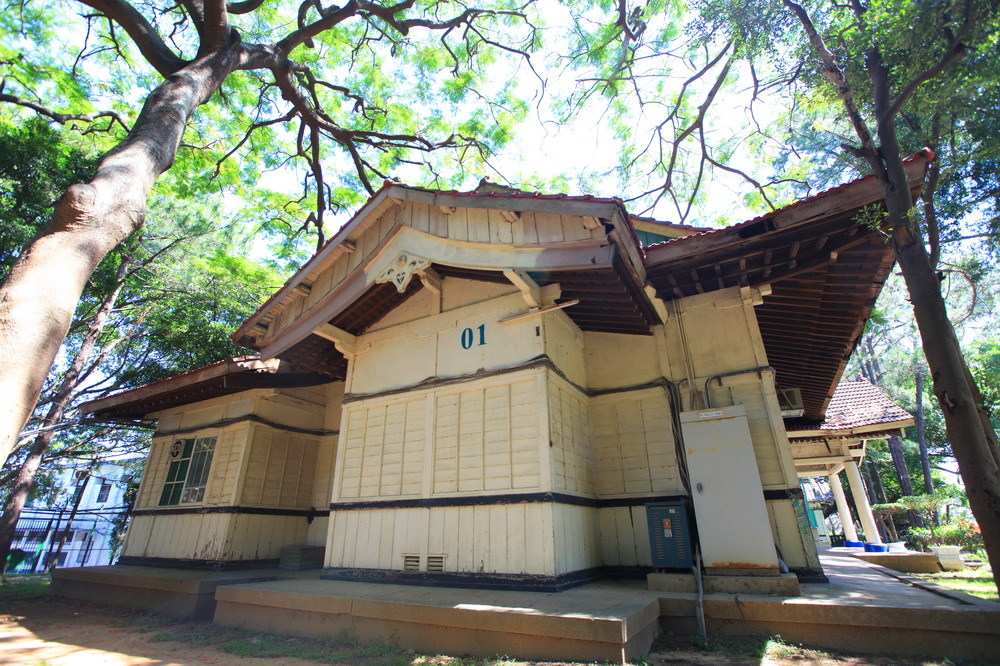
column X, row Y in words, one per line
column 24, row 587
column 978, row 583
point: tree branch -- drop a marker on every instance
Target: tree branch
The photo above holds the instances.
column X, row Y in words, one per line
column 62, row 118
column 243, row 7
column 150, row 44
column 835, row 75
column 956, row 50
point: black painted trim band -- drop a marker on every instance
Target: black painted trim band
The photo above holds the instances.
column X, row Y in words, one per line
column 785, row 494
column 509, row 498
column 253, row 510
column 210, row 565
column 487, row 581
column 540, row 361
column 253, row 418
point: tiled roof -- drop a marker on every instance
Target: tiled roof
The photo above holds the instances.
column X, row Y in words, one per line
column 858, row 402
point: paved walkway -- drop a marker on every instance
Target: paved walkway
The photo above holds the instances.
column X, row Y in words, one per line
column 856, row 582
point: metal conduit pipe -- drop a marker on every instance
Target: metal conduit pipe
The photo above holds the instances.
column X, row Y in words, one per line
column 676, row 406
column 721, row 376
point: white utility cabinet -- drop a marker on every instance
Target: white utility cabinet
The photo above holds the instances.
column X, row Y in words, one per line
column 733, row 525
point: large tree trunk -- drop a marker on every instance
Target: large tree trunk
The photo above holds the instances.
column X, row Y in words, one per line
column 61, row 400
column 39, row 297
column 972, row 438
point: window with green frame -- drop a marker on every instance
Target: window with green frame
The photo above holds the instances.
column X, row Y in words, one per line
column 187, row 476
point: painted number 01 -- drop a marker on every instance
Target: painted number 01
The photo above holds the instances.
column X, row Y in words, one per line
column 469, row 336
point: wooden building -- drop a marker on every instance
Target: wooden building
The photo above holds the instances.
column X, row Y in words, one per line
column 490, row 388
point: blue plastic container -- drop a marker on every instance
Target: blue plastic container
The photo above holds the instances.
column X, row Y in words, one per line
column 854, row 544
column 876, row 548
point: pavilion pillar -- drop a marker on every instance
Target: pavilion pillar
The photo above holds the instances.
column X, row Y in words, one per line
column 861, row 502
column 846, row 520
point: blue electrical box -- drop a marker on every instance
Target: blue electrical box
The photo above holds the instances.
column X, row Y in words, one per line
column 669, row 535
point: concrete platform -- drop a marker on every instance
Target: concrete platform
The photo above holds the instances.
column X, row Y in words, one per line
column 186, row 593
column 606, row 622
column 905, row 562
column 784, row 585
column 864, row 608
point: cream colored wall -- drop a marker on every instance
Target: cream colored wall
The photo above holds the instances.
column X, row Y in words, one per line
column 618, row 361
column 213, row 537
column 715, row 333
column 325, row 459
column 634, row 445
column 280, row 469
column 624, row 536
column 229, row 448
column 577, row 538
column 504, row 539
column 403, row 354
column 570, row 445
column 474, row 437
column 632, row 441
column 254, row 465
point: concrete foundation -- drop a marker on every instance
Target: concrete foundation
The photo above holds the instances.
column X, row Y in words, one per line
column 903, row 562
column 864, row 608
column 602, row 622
column 181, row 593
column 956, row 633
column 785, row 585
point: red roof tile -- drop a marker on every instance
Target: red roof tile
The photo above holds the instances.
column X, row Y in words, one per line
column 858, row 402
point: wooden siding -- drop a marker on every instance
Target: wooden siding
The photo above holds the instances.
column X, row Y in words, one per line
column 431, row 345
column 280, row 469
column 384, row 450
column 213, row 537
column 223, row 475
column 569, row 435
column 634, row 445
column 624, row 536
column 486, row 439
column 577, row 538
column 719, row 331
column 510, row 539
column 480, row 436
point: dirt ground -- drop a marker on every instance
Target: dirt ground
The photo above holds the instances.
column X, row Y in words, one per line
column 46, row 631
column 74, row 634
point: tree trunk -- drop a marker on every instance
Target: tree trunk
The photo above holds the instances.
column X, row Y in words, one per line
column 870, row 490
column 970, row 433
column 19, row 495
column 925, row 460
column 61, row 400
column 39, row 297
column 903, row 472
column 81, row 488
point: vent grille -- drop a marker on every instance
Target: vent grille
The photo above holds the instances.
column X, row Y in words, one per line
column 411, row 563
column 435, row 562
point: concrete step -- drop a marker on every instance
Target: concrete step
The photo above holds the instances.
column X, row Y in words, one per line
column 597, row 624
column 301, row 558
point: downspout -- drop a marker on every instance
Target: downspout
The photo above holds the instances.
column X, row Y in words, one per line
column 674, row 398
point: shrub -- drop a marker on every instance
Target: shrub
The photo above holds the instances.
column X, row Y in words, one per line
column 961, row 532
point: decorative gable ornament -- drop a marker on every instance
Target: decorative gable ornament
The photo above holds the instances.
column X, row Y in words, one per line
column 401, row 271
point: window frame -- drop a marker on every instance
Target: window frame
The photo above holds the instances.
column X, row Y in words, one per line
column 103, row 491
column 189, row 466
